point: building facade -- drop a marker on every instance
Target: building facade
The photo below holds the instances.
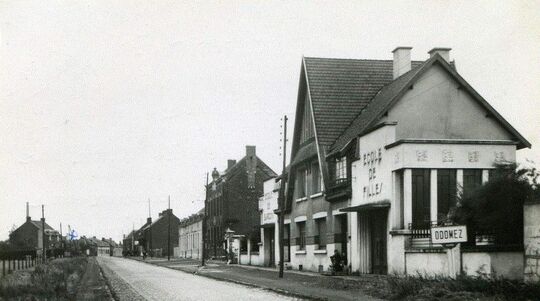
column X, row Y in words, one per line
column 190, row 237
column 30, row 235
column 232, row 200
column 381, row 157
column 268, row 203
column 159, row 238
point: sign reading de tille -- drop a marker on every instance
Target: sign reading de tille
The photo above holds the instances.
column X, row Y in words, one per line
column 448, row 234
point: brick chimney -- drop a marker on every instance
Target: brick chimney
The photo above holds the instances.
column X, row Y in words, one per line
column 402, row 61
column 28, row 212
column 148, row 220
column 230, row 163
column 444, row 52
column 251, row 165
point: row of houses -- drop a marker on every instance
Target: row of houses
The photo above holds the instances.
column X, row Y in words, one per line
column 34, row 235
column 381, row 150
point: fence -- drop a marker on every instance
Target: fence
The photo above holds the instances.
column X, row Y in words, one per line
column 23, row 259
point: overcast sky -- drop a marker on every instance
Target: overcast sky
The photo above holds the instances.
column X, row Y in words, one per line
column 105, row 104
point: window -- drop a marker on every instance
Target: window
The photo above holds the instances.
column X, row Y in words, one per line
column 472, row 178
column 446, row 192
column 307, row 123
column 321, row 232
column 301, row 183
column 316, row 179
column 341, row 169
column 301, row 239
column 421, row 199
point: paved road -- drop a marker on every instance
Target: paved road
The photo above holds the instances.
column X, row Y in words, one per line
column 159, row 283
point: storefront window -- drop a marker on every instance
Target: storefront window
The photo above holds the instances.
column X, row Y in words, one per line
column 472, row 178
column 446, row 192
column 421, row 198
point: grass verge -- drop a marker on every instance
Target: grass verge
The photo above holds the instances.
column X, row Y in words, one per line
column 462, row 288
column 55, row 280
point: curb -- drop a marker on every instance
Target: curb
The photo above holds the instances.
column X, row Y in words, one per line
column 271, row 289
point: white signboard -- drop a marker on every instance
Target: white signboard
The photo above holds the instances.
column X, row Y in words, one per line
column 448, row 234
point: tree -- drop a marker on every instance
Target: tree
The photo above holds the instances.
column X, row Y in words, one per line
column 497, row 207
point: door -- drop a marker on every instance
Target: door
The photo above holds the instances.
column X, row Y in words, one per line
column 343, row 235
column 272, row 246
column 377, row 225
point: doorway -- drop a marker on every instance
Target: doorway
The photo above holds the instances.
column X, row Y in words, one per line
column 378, row 234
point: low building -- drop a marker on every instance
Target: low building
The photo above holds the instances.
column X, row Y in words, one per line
column 190, row 237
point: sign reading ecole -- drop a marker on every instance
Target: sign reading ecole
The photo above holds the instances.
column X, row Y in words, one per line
column 448, row 234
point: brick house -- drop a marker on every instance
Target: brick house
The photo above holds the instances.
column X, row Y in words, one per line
column 381, row 148
column 30, row 235
column 232, row 201
column 153, row 236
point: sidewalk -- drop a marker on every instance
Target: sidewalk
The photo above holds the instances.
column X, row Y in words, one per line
column 294, row 283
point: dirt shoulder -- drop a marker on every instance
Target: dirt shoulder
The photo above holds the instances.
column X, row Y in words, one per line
column 93, row 285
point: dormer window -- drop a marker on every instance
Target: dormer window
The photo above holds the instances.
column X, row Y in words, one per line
column 341, row 170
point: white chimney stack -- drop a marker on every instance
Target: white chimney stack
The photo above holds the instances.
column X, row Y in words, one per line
column 444, row 52
column 402, row 61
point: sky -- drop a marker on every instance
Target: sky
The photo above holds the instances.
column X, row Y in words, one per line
column 105, row 105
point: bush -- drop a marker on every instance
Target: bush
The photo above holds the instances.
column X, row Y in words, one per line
column 497, row 206
column 56, row 280
column 462, row 288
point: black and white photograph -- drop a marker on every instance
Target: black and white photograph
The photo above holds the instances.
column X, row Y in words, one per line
column 269, row 150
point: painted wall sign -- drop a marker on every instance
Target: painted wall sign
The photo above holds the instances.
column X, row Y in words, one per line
column 448, row 234
column 372, row 160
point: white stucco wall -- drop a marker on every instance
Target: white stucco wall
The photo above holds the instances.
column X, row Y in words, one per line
column 445, row 111
column 426, row 264
column 500, row 264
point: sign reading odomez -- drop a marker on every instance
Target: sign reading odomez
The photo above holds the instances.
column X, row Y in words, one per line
column 448, row 234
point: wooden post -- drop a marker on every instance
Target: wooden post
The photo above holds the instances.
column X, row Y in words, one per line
column 282, row 201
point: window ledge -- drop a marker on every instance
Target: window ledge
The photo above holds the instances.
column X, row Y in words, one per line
column 301, row 199
column 321, row 251
column 300, row 252
column 318, row 194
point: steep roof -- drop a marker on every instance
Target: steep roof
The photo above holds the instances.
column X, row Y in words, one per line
column 38, row 224
column 392, row 92
column 260, row 164
column 340, row 89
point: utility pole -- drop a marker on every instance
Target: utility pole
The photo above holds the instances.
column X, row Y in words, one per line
column 281, row 200
column 150, row 229
column 43, row 232
column 203, row 252
column 169, row 231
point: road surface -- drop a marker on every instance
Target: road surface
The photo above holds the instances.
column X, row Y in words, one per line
column 159, row 283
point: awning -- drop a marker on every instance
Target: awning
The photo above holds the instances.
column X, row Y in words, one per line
column 266, row 226
column 367, row 207
column 307, row 151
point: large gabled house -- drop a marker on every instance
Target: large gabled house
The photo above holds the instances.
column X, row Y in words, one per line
column 381, row 148
column 232, row 204
column 32, row 235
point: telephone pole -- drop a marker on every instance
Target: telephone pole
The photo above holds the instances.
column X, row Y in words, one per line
column 203, row 252
column 281, row 200
column 169, row 231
